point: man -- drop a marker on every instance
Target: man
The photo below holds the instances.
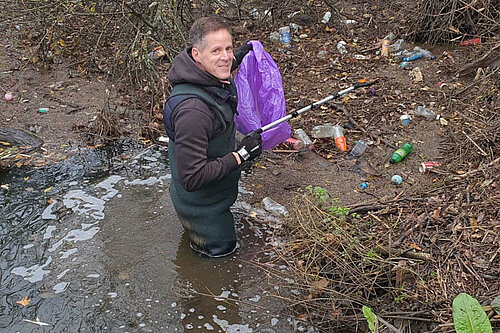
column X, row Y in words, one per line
column 199, row 120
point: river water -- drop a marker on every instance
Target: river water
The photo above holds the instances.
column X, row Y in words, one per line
column 94, row 244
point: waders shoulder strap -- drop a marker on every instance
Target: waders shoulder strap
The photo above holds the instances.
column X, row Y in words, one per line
column 182, row 92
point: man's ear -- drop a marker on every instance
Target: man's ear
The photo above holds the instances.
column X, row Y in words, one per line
column 195, row 53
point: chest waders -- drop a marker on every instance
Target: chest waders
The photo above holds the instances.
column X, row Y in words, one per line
column 205, row 213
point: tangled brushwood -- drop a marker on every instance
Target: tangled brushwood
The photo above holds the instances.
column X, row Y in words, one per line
column 442, row 21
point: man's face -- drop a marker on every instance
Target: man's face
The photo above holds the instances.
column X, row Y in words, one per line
column 216, row 56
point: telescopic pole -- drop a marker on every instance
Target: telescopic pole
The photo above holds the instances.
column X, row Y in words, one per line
column 314, row 105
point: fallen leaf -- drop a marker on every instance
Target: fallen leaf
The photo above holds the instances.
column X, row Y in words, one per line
column 320, row 284
column 473, row 223
column 436, row 214
column 415, row 247
column 47, row 189
column 24, row 301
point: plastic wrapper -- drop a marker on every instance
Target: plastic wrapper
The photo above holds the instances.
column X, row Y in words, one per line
column 260, row 97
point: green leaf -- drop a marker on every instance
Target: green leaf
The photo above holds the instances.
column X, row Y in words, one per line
column 469, row 316
column 371, row 318
column 495, row 305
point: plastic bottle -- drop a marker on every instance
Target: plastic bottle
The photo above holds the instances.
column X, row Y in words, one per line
column 295, row 144
column 323, row 131
column 396, row 46
column 302, row 136
column 385, row 45
column 285, row 36
column 406, row 65
column 426, row 54
column 426, row 113
column 274, row 36
column 358, row 149
column 273, row 207
column 401, row 153
column 338, row 134
column 412, row 57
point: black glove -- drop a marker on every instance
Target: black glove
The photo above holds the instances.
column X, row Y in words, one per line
column 239, row 54
column 250, row 147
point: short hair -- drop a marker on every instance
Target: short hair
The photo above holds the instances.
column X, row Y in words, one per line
column 202, row 26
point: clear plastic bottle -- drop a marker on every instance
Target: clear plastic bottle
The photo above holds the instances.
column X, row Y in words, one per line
column 396, row 46
column 338, row 134
column 426, row 113
column 285, row 36
column 358, row 149
column 323, row 131
column 302, row 136
column 426, row 54
column 273, row 207
column 385, row 44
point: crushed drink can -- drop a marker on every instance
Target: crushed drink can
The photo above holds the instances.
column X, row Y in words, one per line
column 295, row 144
column 426, row 166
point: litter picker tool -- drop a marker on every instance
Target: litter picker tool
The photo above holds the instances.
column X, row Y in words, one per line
column 314, row 105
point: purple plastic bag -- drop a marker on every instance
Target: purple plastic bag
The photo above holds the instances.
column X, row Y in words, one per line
column 260, row 97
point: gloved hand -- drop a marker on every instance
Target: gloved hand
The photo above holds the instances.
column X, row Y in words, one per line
column 250, row 147
column 239, row 54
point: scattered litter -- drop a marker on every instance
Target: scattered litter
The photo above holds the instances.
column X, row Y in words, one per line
column 358, row 149
column 469, row 42
column 302, row 136
column 416, row 74
column 157, row 53
column 426, row 54
column 346, row 22
column 338, row 134
column 384, row 49
column 8, row 96
column 396, row 180
column 37, row 322
column 163, row 139
column 326, row 17
column 405, row 119
column 426, row 113
column 412, row 57
column 363, row 185
column 273, row 207
column 43, row 110
column 406, row 65
column 426, row 166
column 274, row 36
column 295, row 27
column 285, row 38
column 295, row 144
column 398, row 155
column 341, row 47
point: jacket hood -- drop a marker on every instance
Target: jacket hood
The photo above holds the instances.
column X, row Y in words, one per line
column 184, row 70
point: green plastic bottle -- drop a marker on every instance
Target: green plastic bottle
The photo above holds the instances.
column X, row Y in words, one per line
column 401, row 153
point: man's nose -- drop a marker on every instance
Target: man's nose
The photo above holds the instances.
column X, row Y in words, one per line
column 226, row 54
